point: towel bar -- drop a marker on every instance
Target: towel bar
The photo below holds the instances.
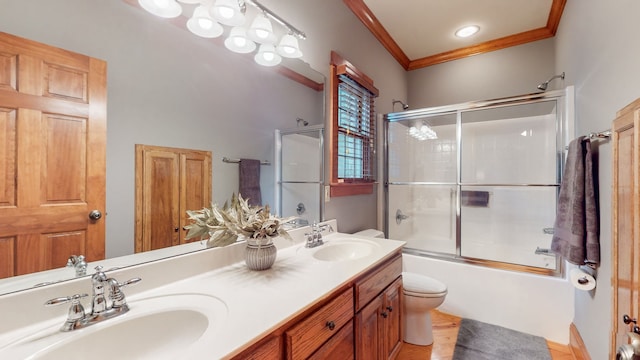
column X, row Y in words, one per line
column 237, row 161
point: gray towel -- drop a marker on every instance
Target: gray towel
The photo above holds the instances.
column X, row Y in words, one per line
column 250, row 181
column 576, row 227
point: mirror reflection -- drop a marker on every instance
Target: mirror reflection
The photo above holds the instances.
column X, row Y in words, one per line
column 166, row 88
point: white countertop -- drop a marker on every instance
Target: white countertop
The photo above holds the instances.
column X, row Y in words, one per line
column 257, row 302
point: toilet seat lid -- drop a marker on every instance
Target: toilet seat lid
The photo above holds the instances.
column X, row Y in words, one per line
column 422, row 284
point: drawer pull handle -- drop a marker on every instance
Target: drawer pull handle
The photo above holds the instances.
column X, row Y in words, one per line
column 390, row 308
column 331, row 325
column 384, row 314
column 628, row 320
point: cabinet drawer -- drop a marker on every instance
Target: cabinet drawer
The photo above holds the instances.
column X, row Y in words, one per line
column 373, row 284
column 309, row 334
column 339, row 347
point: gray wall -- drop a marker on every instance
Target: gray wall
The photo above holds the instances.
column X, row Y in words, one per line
column 597, row 47
column 508, row 72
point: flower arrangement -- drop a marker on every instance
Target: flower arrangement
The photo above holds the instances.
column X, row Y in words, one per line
column 224, row 225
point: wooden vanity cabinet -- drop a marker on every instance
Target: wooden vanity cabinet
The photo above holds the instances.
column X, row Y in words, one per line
column 378, row 319
column 358, row 321
column 309, row 335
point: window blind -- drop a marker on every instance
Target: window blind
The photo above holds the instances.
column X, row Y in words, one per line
column 356, row 132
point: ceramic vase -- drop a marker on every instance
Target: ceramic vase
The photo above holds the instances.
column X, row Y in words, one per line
column 260, row 255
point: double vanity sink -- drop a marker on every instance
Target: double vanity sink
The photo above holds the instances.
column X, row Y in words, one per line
column 201, row 305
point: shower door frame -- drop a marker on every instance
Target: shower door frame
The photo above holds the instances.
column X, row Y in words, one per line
column 278, row 165
column 565, row 128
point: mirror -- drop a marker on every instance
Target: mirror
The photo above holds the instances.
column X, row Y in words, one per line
column 168, row 87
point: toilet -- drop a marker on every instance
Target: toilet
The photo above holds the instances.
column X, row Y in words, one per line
column 421, row 295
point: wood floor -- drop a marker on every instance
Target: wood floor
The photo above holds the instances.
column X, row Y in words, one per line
column 445, row 332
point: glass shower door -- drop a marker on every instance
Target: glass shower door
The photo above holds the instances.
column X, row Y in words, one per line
column 478, row 181
column 509, row 182
column 422, row 182
column 300, row 172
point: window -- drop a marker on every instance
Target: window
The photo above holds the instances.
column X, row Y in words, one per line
column 353, row 150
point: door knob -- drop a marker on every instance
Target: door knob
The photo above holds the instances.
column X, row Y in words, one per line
column 95, row 215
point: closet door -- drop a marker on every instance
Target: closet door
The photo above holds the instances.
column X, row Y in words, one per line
column 52, row 156
column 169, row 181
column 626, row 223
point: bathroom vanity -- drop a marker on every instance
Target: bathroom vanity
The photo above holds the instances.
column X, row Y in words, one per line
column 339, row 300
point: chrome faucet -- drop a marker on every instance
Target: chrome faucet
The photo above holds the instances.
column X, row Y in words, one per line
column 102, row 307
column 314, row 238
column 77, row 262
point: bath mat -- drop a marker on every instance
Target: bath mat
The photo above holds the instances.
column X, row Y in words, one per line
column 481, row 341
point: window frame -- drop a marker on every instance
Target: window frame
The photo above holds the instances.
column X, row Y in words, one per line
column 353, row 186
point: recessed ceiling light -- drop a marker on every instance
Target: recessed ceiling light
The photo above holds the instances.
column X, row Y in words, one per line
column 467, row 31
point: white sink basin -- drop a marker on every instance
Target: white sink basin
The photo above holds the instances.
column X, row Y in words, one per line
column 343, row 250
column 163, row 327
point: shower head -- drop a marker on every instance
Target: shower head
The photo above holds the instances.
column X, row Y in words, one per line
column 544, row 85
column 404, row 106
column 301, row 120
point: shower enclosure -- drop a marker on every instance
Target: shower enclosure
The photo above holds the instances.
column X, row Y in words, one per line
column 478, row 182
column 300, row 173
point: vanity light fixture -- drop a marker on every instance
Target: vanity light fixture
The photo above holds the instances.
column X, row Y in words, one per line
column 228, row 12
column 288, row 47
column 467, row 31
column 239, row 42
column 209, row 14
column 202, row 24
column 267, row 55
column 162, row 8
column 261, row 30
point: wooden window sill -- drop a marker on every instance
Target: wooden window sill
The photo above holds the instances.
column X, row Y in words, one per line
column 348, row 189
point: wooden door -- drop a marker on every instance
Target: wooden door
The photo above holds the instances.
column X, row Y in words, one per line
column 169, row 181
column 52, row 156
column 195, row 186
column 626, row 222
column 392, row 323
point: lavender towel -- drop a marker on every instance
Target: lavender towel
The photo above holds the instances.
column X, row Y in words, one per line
column 576, row 227
column 250, row 181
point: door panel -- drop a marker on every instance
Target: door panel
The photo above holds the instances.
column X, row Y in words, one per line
column 53, row 150
column 7, row 157
column 195, row 184
column 161, row 199
column 625, row 222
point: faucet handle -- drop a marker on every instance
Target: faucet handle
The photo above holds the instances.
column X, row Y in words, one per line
column 116, row 295
column 65, row 299
column 76, row 312
column 130, row 282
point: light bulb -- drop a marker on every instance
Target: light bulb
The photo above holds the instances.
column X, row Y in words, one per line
column 240, row 41
column 268, row 56
column 262, row 34
column 225, row 12
column 163, row 4
column 205, row 23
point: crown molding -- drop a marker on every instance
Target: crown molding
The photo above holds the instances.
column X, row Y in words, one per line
column 366, row 16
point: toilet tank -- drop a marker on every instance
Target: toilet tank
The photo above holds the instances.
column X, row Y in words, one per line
column 371, row 233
